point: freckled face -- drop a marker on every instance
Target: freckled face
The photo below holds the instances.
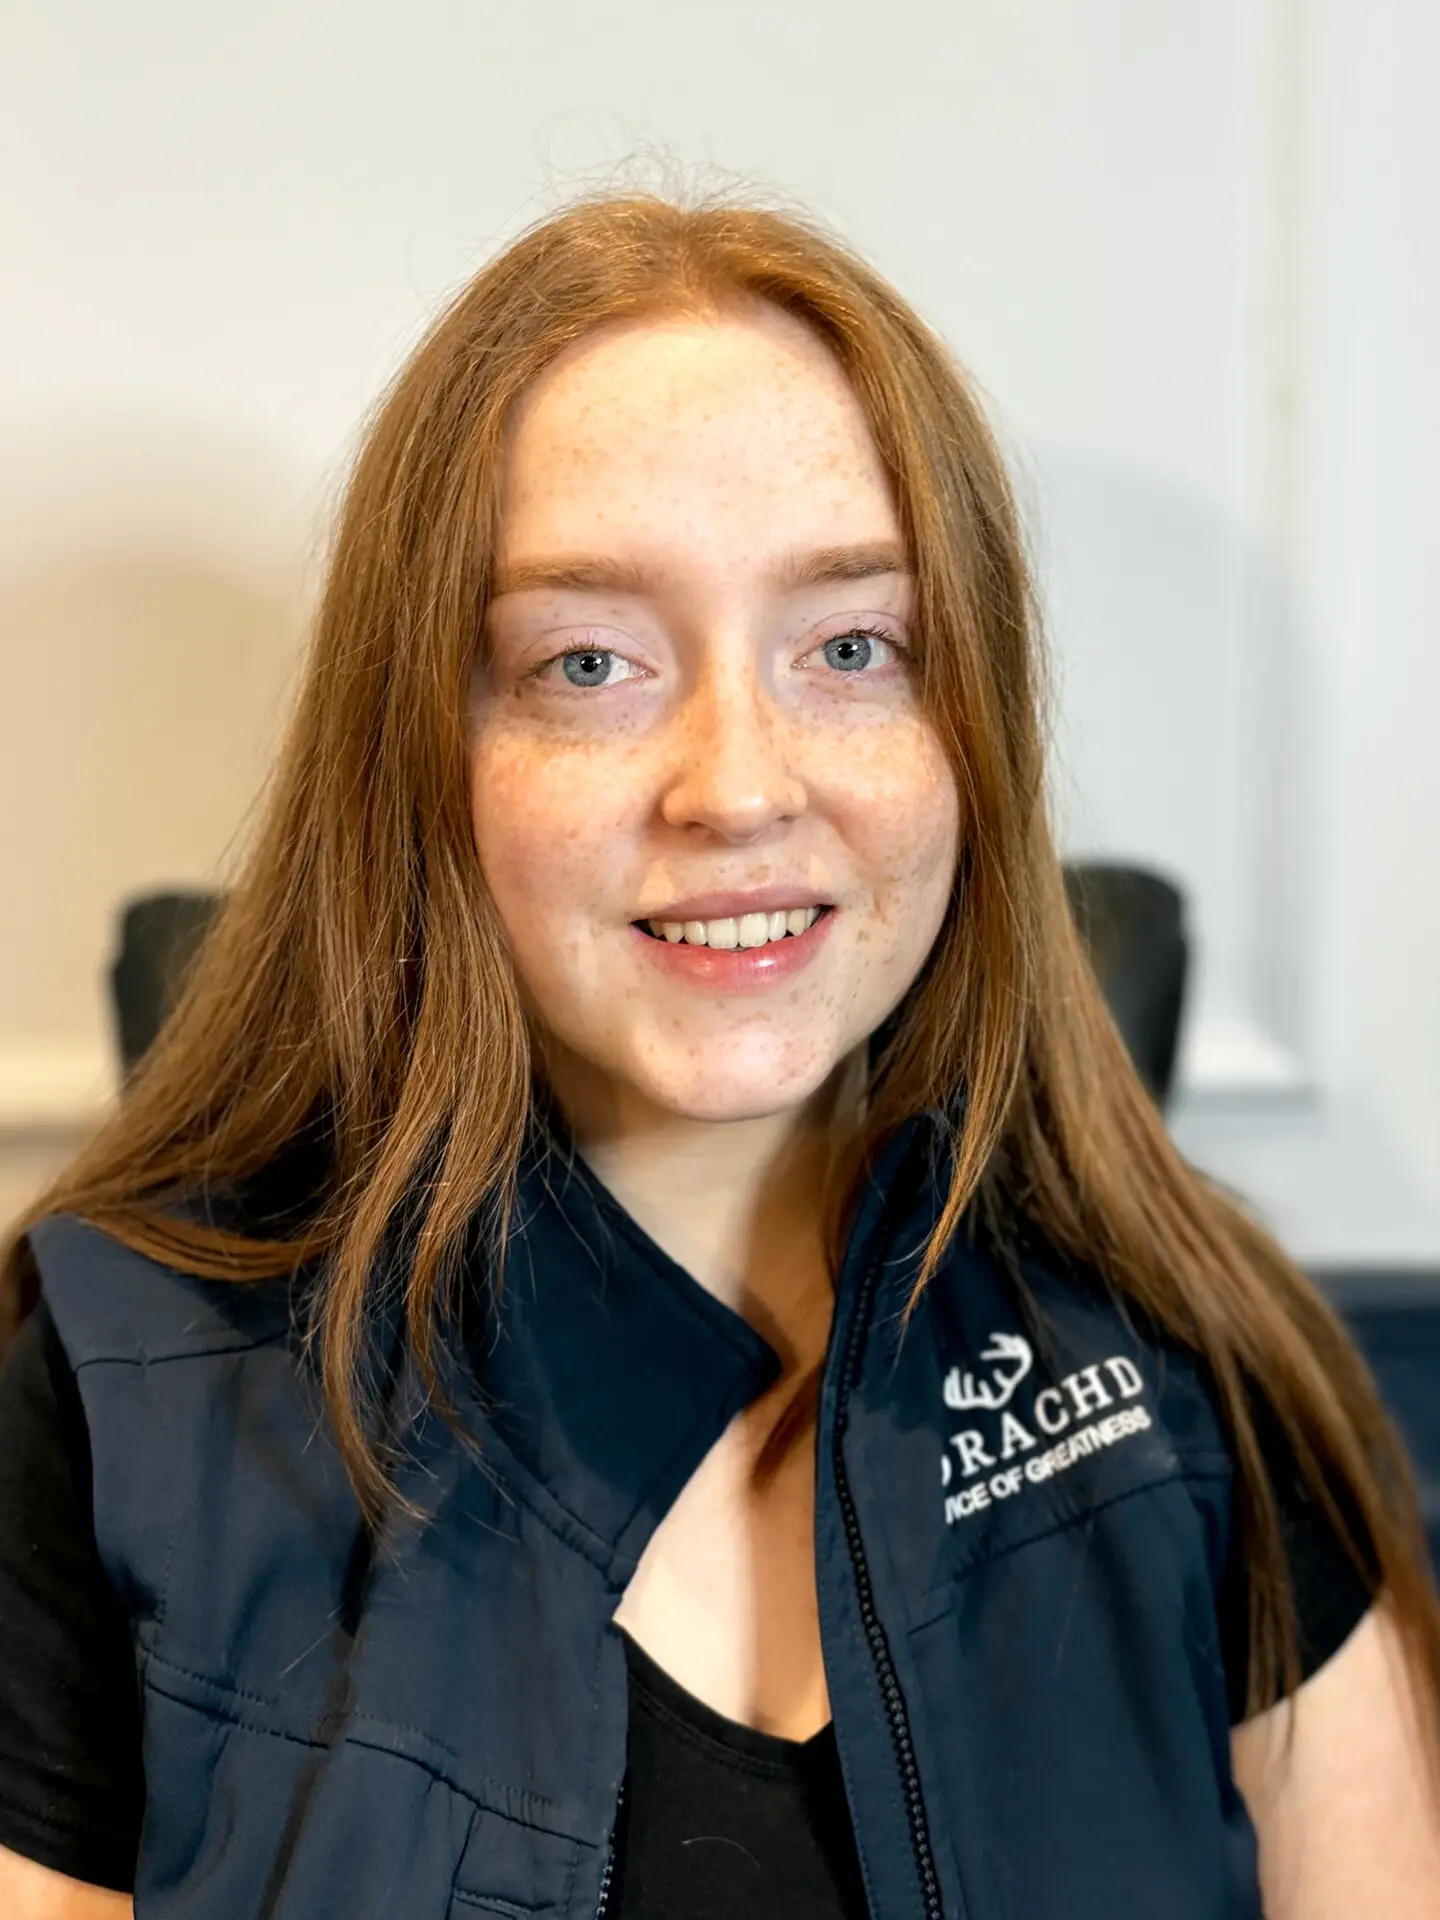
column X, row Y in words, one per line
column 694, row 697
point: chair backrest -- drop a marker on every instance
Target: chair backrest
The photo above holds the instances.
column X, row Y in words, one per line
column 1131, row 919
column 160, row 933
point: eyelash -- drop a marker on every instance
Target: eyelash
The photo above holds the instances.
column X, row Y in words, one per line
column 861, row 631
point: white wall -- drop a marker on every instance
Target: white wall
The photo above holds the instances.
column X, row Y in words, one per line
column 1353, row 1170
column 1184, row 247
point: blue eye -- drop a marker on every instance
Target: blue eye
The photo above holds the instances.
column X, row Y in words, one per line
column 587, row 667
column 849, row 651
column 854, row 651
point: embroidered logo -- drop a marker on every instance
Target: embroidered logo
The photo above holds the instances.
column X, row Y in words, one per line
column 1012, row 1351
column 975, row 1469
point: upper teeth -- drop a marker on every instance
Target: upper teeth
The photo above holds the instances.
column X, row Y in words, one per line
column 750, row 930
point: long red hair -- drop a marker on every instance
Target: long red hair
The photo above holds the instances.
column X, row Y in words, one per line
column 356, row 991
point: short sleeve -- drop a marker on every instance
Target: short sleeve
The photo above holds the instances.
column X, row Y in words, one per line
column 71, row 1772
column 1331, row 1598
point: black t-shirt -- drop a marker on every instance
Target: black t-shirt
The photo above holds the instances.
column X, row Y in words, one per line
column 720, row 1821
column 717, row 1821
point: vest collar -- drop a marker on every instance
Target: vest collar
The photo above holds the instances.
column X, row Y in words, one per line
column 607, row 1371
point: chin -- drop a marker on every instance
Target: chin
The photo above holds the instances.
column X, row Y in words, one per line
column 720, row 1104
column 721, row 1092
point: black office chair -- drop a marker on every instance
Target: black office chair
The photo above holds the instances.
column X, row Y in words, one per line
column 159, row 935
column 1132, row 921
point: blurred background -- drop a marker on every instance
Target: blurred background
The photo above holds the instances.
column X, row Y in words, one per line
column 1187, row 249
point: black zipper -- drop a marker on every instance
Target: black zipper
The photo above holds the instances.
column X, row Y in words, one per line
column 608, row 1874
column 875, row 1632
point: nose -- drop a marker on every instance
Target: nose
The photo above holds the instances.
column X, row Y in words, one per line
column 733, row 762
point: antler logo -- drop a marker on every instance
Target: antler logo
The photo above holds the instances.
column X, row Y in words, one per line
column 1012, row 1359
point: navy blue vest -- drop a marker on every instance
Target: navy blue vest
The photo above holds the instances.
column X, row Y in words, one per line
column 1022, row 1516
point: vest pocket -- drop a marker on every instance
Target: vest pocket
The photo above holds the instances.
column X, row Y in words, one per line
column 244, row 1817
column 510, row 1870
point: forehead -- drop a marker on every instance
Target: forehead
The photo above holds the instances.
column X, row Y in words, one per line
column 740, row 427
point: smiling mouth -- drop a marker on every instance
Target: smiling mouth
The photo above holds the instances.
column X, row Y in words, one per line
column 745, row 930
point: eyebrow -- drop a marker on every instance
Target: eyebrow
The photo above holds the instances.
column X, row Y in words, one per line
column 584, row 573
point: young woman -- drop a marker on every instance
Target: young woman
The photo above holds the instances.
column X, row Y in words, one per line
column 637, row 1347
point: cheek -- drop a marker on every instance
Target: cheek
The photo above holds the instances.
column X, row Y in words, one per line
column 903, row 816
column 540, row 837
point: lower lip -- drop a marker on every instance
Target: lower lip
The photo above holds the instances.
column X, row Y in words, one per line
column 737, row 969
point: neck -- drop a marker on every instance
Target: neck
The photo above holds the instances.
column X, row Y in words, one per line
column 740, row 1204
